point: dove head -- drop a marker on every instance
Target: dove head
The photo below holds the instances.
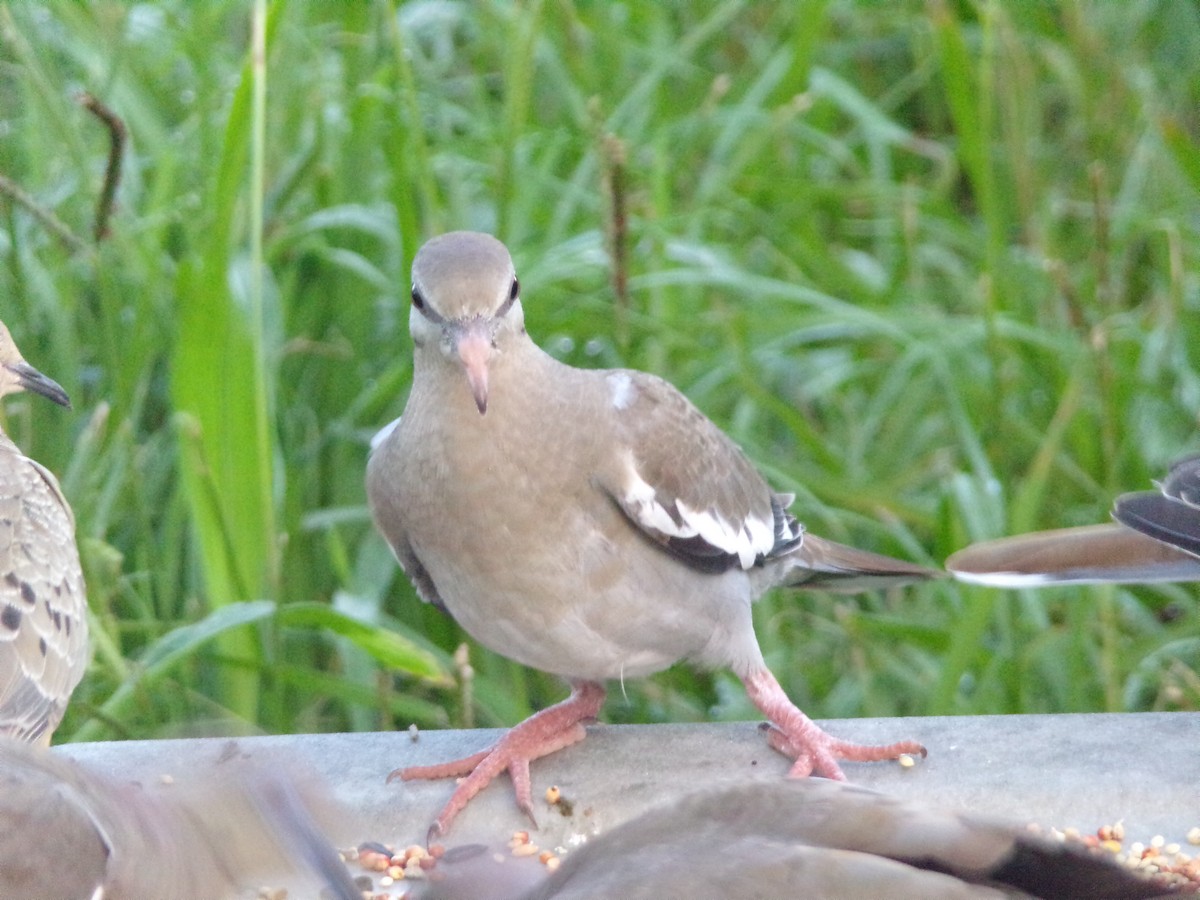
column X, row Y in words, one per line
column 18, row 375
column 466, row 304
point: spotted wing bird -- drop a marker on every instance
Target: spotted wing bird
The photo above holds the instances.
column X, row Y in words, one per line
column 43, row 605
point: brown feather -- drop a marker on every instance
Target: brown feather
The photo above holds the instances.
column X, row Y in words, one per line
column 1091, row 554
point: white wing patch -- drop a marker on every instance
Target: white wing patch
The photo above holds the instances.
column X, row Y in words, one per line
column 790, row 531
column 748, row 540
column 621, row 390
column 383, row 433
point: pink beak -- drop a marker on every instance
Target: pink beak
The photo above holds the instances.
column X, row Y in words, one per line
column 474, row 346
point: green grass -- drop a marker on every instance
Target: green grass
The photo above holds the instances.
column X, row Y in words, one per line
column 932, row 265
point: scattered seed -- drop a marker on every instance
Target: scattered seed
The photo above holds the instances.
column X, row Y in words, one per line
column 413, row 869
column 525, row 850
column 553, row 863
column 553, row 794
column 906, row 761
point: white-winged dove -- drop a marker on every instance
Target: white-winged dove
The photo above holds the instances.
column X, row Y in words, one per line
column 44, row 647
column 68, row 831
column 589, row 523
column 1156, row 537
column 819, row 838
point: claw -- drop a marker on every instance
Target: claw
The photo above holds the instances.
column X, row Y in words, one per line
column 435, row 831
column 528, row 810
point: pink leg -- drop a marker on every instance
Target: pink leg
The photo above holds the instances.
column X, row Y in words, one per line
column 794, row 734
column 542, row 733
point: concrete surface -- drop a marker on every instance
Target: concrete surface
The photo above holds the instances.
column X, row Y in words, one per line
column 1057, row 770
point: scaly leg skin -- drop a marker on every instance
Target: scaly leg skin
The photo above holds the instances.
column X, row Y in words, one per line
column 795, row 735
column 542, row 733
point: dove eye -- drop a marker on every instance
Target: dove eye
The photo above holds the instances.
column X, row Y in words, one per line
column 418, row 301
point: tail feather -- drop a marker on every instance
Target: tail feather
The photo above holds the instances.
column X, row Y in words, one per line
column 822, row 564
column 1093, row 554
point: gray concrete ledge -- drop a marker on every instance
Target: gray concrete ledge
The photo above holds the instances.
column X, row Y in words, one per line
column 1080, row 770
column 1057, row 770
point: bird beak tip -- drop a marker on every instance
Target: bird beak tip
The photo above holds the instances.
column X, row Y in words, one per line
column 34, row 381
column 477, row 379
column 475, row 350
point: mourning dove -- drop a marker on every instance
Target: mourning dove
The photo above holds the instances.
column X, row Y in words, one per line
column 69, row 832
column 589, row 523
column 1156, row 537
column 43, row 606
column 818, row 838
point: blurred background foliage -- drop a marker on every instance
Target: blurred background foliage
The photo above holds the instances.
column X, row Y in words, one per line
column 932, row 264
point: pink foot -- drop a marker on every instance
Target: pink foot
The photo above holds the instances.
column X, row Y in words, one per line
column 542, row 733
column 795, row 735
